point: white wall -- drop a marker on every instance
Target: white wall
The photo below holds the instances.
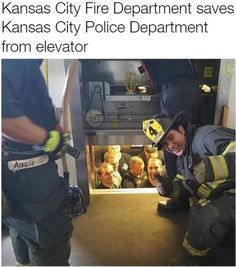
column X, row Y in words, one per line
column 226, row 91
column 231, row 103
column 56, row 82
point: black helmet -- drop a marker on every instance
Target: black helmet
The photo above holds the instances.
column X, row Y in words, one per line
column 157, row 128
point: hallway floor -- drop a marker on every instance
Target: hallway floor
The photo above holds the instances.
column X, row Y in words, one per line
column 124, row 230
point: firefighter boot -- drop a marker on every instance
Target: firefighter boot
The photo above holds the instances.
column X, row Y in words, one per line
column 185, row 259
column 171, row 205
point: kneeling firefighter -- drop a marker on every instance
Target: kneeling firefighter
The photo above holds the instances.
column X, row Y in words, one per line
column 206, row 170
column 40, row 227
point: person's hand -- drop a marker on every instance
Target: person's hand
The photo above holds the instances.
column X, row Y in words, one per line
column 164, row 186
column 56, row 143
column 199, row 171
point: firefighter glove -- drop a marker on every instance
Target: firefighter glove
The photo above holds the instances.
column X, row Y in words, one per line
column 165, row 185
column 56, row 143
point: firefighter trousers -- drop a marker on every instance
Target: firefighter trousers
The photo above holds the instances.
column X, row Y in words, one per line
column 209, row 224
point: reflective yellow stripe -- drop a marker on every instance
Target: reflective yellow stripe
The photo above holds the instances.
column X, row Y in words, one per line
column 181, row 177
column 203, row 202
column 219, row 166
column 19, row 264
column 193, row 251
column 204, row 191
column 230, row 148
column 232, row 191
column 220, row 170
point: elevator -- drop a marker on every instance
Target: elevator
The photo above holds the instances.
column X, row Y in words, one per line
column 108, row 109
column 110, row 100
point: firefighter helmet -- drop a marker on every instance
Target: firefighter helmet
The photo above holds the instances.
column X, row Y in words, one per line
column 157, row 128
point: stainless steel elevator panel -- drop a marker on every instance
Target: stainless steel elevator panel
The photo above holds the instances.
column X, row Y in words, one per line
column 107, row 105
column 105, row 113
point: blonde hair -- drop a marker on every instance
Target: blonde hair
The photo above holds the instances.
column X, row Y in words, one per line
column 114, row 148
column 159, row 162
column 111, row 155
column 136, row 159
column 103, row 166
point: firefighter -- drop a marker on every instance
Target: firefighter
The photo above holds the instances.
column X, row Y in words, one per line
column 206, row 170
column 176, row 81
column 39, row 227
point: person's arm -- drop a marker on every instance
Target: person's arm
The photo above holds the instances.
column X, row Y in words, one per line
column 217, row 167
column 22, row 130
column 218, row 160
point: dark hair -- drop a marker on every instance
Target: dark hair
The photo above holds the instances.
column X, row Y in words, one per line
column 182, row 119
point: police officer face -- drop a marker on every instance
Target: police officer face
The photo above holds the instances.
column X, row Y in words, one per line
column 107, row 175
column 136, row 168
column 175, row 141
column 154, row 168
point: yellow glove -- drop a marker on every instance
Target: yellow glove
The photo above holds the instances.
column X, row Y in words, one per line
column 56, row 143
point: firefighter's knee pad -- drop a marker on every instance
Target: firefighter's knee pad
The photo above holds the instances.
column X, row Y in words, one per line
column 208, row 225
column 201, row 222
column 216, row 233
